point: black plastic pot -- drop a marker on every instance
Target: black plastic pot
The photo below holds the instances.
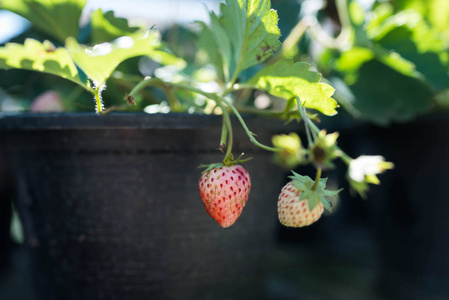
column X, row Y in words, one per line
column 5, row 210
column 111, row 208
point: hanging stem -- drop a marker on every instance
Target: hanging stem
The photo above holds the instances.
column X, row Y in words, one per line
column 224, row 136
column 218, row 99
column 143, row 84
column 302, row 112
column 248, row 132
column 172, row 100
column 317, row 179
column 309, row 132
column 227, row 127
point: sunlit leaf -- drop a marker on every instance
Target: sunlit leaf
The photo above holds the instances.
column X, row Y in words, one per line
column 99, row 61
column 286, row 79
column 428, row 63
column 438, row 16
column 436, row 13
column 206, row 43
column 107, row 27
column 42, row 57
column 350, row 62
column 251, row 27
column 416, row 48
column 221, row 38
column 58, row 18
column 164, row 57
column 354, row 58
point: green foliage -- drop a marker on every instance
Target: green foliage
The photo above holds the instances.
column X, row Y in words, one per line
column 42, row 57
column 407, row 34
column 395, row 97
column 397, row 64
column 107, row 27
column 246, row 34
column 58, row 18
column 243, row 35
column 393, row 65
column 287, row 79
column 99, row 61
column 434, row 12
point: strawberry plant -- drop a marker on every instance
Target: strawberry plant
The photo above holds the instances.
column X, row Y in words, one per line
column 239, row 55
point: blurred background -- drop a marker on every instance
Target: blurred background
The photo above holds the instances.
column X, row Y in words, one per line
column 392, row 84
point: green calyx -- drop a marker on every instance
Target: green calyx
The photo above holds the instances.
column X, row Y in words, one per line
column 313, row 193
column 227, row 162
column 324, row 150
column 230, row 161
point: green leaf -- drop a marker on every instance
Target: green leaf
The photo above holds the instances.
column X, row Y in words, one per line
column 99, row 61
column 42, row 57
column 163, row 56
column 351, row 60
column 395, row 61
column 58, row 18
column 251, row 28
column 378, row 16
column 206, row 42
column 107, row 27
column 435, row 13
column 438, row 16
column 286, row 79
column 383, row 95
column 223, row 43
column 427, row 63
column 419, row 47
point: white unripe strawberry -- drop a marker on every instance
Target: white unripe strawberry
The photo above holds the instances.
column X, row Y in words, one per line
column 294, row 212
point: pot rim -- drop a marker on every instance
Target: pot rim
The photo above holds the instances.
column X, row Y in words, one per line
column 133, row 120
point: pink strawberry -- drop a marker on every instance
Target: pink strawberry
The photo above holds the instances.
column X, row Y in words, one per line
column 47, row 102
column 225, row 191
column 294, row 212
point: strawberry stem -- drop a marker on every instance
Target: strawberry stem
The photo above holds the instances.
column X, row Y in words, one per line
column 346, row 158
column 227, row 124
column 224, row 136
column 218, row 99
column 317, row 179
column 311, row 135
